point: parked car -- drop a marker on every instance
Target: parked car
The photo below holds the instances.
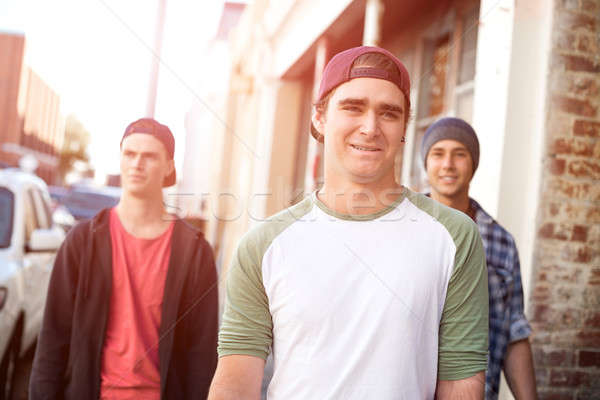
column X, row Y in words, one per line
column 29, row 240
column 60, row 213
column 85, row 202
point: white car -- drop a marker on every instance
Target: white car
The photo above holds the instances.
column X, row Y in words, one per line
column 29, row 240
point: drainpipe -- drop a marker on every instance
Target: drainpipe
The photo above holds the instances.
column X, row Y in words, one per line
column 153, row 85
column 373, row 14
column 315, row 150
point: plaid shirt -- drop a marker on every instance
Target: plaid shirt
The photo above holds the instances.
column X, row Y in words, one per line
column 507, row 320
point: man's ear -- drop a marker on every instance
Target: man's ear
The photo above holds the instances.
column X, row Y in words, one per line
column 318, row 120
column 171, row 168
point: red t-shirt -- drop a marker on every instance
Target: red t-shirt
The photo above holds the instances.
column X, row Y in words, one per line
column 130, row 365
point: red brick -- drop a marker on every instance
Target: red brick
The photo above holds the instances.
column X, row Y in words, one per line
column 541, row 293
column 588, row 339
column 569, row 318
column 541, row 376
column 573, row 5
column 557, row 188
column 542, row 314
column 590, row 6
column 539, row 334
column 576, row 84
column 589, row 358
column 575, row 21
column 586, row 128
column 553, row 358
column 565, row 338
column 574, row 106
column 588, row 44
column 577, row 63
column 585, row 169
column 557, row 166
column 556, row 274
column 579, row 233
column 581, row 85
column 591, row 298
column 589, row 393
column 568, row 378
column 594, row 277
column 572, row 146
column 563, row 231
column 593, row 320
column 579, row 254
column 593, row 214
column 578, row 213
column 566, row 41
column 553, row 394
column 546, row 231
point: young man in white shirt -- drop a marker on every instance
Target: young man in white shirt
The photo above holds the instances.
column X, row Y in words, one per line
column 364, row 290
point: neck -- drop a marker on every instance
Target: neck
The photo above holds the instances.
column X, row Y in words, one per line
column 359, row 199
column 460, row 203
column 141, row 211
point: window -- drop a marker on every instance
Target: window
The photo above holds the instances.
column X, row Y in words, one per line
column 432, row 99
column 31, row 222
column 446, row 86
column 466, row 73
column 42, row 211
column 7, row 202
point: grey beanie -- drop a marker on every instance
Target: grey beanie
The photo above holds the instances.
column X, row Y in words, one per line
column 454, row 129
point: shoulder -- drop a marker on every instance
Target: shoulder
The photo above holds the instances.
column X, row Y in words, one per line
column 258, row 239
column 83, row 230
column 455, row 222
column 185, row 235
column 491, row 231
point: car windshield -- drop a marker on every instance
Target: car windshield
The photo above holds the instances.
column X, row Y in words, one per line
column 86, row 204
column 7, row 201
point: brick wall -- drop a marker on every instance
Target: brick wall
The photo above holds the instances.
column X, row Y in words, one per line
column 565, row 300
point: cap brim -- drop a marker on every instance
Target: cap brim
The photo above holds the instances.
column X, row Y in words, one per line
column 170, row 180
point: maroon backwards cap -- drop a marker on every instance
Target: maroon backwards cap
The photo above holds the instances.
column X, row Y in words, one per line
column 339, row 70
column 161, row 132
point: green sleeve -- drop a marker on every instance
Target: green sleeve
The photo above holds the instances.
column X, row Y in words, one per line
column 463, row 340
column 247, row 326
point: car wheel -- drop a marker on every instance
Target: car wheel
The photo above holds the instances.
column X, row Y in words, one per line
column 8, row 367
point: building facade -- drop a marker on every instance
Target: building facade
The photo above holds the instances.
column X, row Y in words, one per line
column 525, row 74
column 30, row 118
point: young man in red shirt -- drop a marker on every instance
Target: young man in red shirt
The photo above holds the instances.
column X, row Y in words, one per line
column 132, row 307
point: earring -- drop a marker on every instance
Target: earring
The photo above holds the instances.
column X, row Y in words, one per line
column 403, row 140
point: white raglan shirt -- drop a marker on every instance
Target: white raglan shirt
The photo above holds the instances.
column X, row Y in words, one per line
column 360, row 307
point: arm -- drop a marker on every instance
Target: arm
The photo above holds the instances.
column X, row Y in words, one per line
column 49, row 366
column 518, row 360
column 245, row 337
column 470, row 388
column 238, row 377
column 463, row 334
column 201, row 348
column 518, row 369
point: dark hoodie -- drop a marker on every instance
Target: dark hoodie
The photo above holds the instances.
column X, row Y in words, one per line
column 68, row 358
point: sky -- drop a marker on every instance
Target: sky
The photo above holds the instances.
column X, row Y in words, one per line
column 96, row 54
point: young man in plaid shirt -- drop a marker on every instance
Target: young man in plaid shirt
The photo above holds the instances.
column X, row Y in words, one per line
column 450, row 152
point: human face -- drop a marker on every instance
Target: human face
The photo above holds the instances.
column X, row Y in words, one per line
column 449, row 169
column 363, row 128
column 144, row 164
